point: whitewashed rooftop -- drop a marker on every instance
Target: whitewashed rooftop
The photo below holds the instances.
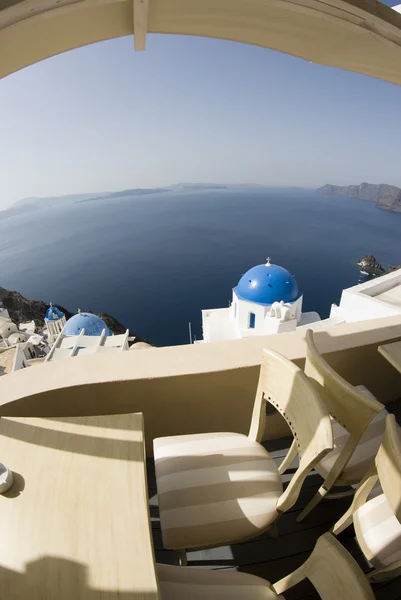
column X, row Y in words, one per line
column 379, row 297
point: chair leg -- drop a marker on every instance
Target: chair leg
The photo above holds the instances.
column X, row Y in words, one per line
column 289, row 458
column 182, row 557
column 320, row 494
column 272, row 532
column 360, row 497
column 344, row 522
column 289, row 581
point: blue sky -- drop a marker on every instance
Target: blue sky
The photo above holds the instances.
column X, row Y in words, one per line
column 104, row 118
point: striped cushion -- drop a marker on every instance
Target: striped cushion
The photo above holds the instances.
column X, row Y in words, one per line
column 214, row 488
column 363, row 455
column 378, row 532
column 199, row 584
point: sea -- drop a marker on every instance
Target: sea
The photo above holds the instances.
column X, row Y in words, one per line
column 154, row 262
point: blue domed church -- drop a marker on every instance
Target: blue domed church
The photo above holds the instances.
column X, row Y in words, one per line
column 84, row 323
column 54, row 321
column 265, row 301
column 83, row 334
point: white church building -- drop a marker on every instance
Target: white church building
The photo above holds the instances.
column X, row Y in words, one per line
column 54, row 321
column 265, row 301
column 84, row 333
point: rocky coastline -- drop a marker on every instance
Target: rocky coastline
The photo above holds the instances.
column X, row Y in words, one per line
column 22, row 310
column 370, row 266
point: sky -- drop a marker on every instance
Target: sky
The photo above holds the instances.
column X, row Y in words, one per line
column 104, row 118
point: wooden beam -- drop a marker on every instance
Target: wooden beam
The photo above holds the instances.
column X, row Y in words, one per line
column 358, row 35
column 140, row 16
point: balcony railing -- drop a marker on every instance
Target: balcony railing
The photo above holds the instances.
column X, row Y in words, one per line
column 198, row 388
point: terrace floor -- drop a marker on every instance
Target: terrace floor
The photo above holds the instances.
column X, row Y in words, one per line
column 275, row 558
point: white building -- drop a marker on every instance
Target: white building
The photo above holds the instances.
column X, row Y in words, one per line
column 83, row 334
column 379, row 297
column 12, row 337
column 265, row 301
column 7, row 328
column 4, row 314
column 12, row 359
column 55, row 321
column 15, row 348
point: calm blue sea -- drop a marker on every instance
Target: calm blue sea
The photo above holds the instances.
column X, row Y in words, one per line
column 155, row 261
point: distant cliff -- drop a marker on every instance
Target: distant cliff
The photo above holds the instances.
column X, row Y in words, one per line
column 22, row 310
column 384, row 196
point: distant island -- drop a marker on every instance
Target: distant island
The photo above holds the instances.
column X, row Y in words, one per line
column 382, row 195
column 33, row 203
column 179, row 187
column 201, row 186
column 123, row 193
column 370, row 266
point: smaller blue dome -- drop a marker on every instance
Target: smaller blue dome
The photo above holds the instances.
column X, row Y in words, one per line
column 92, row 324
column 53, row 314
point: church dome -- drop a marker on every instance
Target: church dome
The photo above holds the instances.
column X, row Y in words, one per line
column 265, row 284
column 92, row 324
column 53, row 313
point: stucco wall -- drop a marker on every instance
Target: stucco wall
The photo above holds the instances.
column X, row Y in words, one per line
column 373, row 287
column 244, row 309
column 360, row 301
column 204, row 387
column 357, row 306
column 20, row 361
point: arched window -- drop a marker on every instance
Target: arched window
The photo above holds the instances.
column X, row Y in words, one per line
column 251, row 320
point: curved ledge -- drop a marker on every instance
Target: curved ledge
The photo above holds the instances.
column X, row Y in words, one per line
column 204, row 387
column 360, row 35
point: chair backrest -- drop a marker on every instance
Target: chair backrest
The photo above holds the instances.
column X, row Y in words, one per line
column 288, row 389
column 346, row 404
column 332, row 571
column 388, row 465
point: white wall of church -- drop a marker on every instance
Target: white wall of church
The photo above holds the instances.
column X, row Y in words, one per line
column 298, row 308
column 54, row 328
column 242, row 311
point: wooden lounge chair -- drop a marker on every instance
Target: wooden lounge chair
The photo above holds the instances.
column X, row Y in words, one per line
column 330, row 568
column 377, row 520
column 358, row 427
column 220, row 488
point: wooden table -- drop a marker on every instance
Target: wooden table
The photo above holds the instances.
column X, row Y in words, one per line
column 75, row 524
column 392, row 352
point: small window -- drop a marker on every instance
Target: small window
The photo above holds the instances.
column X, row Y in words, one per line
column 235, row 310
column 251, row 320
